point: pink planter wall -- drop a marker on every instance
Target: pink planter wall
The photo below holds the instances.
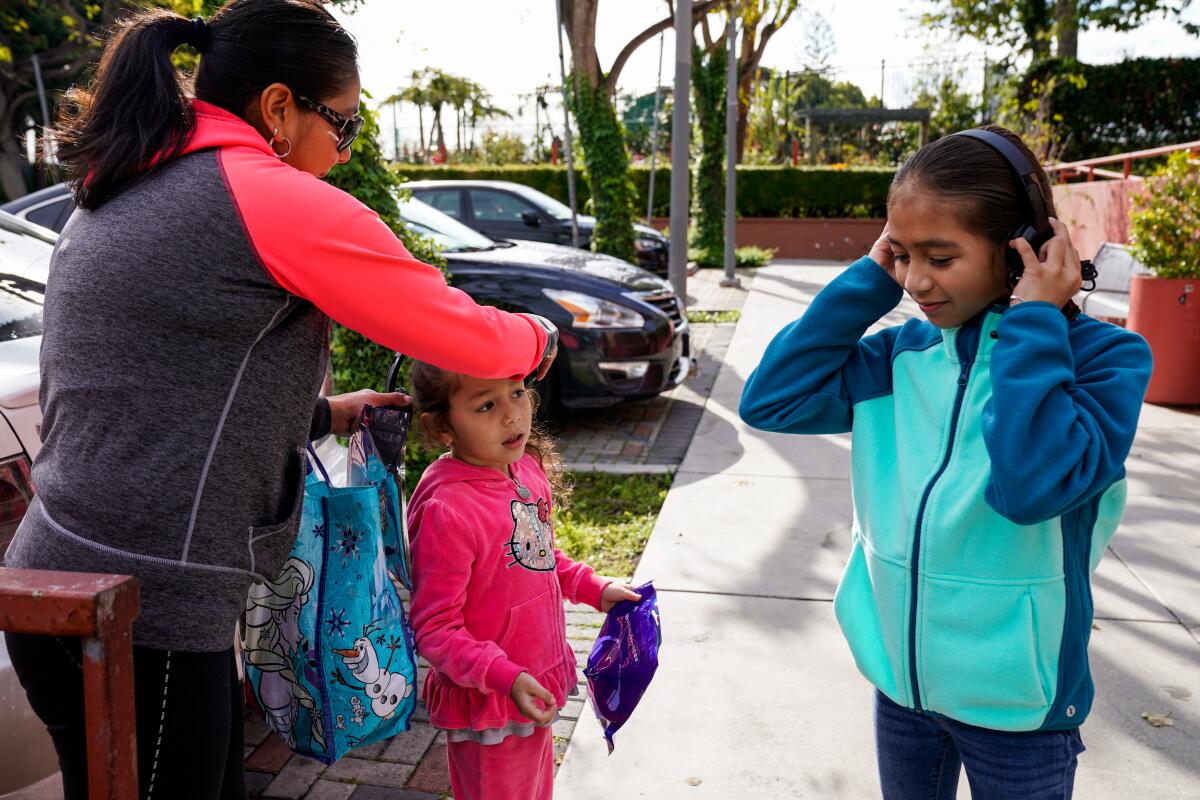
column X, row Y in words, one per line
column 832, row 239
column 1096, row 212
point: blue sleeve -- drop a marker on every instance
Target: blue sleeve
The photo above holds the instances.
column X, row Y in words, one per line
column 1063, row 411
column 815, row 369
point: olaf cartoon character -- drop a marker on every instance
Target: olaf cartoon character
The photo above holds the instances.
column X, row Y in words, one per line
column 386, row 689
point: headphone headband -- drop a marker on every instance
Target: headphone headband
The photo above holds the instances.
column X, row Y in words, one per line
column 1026, row 172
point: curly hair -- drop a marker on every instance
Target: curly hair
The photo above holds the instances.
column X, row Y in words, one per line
column 431, row 390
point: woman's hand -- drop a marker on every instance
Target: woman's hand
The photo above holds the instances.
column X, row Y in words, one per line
column 1056, row 275
column 615, row 593
column 882, row 254
column 544, row 367
column 345, row 409
column 526, row 692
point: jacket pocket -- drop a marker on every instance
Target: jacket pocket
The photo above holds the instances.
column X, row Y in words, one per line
column 270, row 544
column 532, row 634
column 989, row 651
column 869, row 605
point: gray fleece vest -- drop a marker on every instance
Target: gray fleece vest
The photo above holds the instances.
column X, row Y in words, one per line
column 178, row 385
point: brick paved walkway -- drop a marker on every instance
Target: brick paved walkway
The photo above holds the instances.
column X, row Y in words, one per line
column 411, row 766
column 654, row 434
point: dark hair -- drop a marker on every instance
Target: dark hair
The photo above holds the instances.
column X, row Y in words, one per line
column 432, row 387
column 136, row 115
column 975, row 182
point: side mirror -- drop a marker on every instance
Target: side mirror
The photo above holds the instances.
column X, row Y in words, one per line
column 531, row 219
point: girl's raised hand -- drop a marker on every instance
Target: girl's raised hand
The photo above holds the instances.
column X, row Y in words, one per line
column 615, row 593
column 526, row 692
column 1056, row 276
column 882, row 254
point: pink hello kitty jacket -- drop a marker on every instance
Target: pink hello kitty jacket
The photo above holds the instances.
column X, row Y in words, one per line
column 488, row 589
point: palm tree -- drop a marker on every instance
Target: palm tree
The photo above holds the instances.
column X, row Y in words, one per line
column 479, row 107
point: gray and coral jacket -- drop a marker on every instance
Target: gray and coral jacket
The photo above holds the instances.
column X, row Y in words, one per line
column 186, row 338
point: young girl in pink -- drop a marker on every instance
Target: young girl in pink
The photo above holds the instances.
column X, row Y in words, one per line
column 488, row 585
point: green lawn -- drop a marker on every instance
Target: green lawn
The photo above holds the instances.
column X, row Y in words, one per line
column 609, row 519
column 706, row 317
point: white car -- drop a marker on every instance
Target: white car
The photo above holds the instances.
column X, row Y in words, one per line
column 30, row 765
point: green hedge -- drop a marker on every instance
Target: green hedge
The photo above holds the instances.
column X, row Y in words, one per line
column 765, row 191
column 1131, row 105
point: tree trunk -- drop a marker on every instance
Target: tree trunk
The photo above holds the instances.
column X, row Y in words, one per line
column 421, row 125
column 1068, row 29
column 12, row 168
column 708, row 88
column 1037, row 24
column 12, row 160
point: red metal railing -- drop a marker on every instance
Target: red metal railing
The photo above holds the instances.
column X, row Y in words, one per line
column 99, row 609
column 1089, row 165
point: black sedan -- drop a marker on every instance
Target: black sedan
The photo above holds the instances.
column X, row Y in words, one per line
column 623, row 334
column 506, row 210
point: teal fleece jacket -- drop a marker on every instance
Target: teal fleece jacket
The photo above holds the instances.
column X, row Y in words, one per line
column 988, row 477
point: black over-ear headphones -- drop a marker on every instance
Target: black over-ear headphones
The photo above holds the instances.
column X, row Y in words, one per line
column 1036, row 229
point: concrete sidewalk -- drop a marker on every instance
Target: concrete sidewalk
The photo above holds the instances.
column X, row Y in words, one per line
column 757, row 695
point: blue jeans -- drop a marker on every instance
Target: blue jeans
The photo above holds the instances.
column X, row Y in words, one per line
column 920, row 755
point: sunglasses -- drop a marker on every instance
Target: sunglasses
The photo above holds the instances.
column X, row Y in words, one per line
column 347, row 128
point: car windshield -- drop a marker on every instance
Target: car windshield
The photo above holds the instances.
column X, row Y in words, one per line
column 543, row 201
column 24, row 264
column 450, row 234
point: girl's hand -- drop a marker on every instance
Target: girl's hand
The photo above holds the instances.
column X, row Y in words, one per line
column 526, row 692
column 615, row 593
column 881, row 253
column 345, row 409
column 1056, row 276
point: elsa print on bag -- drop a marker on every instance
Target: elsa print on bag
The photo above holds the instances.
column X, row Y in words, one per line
column 271, row 640
column 532, row 542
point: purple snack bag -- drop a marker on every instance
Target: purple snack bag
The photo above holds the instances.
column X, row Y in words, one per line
column 623, row 660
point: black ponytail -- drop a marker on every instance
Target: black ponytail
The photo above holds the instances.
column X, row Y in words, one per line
column 136, row 110
column 136, row 115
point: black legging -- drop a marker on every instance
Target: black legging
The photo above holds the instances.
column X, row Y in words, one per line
column 187, row 746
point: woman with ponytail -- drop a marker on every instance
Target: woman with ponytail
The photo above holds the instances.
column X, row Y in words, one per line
column 187, row 319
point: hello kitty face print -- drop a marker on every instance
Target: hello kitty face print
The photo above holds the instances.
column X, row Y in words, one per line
column 532, row 542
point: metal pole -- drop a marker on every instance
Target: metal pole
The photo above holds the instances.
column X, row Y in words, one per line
column 562, row 68
column 681, row 124
column 882, row 81
column 41, row 90
column 48, row 151
column 395, row 135
column 654, row 133
column 987, row 112
column 731, row 109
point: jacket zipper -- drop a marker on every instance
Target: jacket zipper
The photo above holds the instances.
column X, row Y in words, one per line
column 963, row 374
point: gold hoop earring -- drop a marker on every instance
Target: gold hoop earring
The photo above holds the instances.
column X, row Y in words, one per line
column 277, row 137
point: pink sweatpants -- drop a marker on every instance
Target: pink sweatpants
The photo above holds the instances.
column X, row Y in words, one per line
column 516, row 769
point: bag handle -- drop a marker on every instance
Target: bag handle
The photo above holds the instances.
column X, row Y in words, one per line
column 394, row 373
column 312, row 454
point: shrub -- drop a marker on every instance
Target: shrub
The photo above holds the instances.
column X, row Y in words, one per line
column 357, row 362
column 767, row 191
column 1165, row 223
column 1135, row 104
